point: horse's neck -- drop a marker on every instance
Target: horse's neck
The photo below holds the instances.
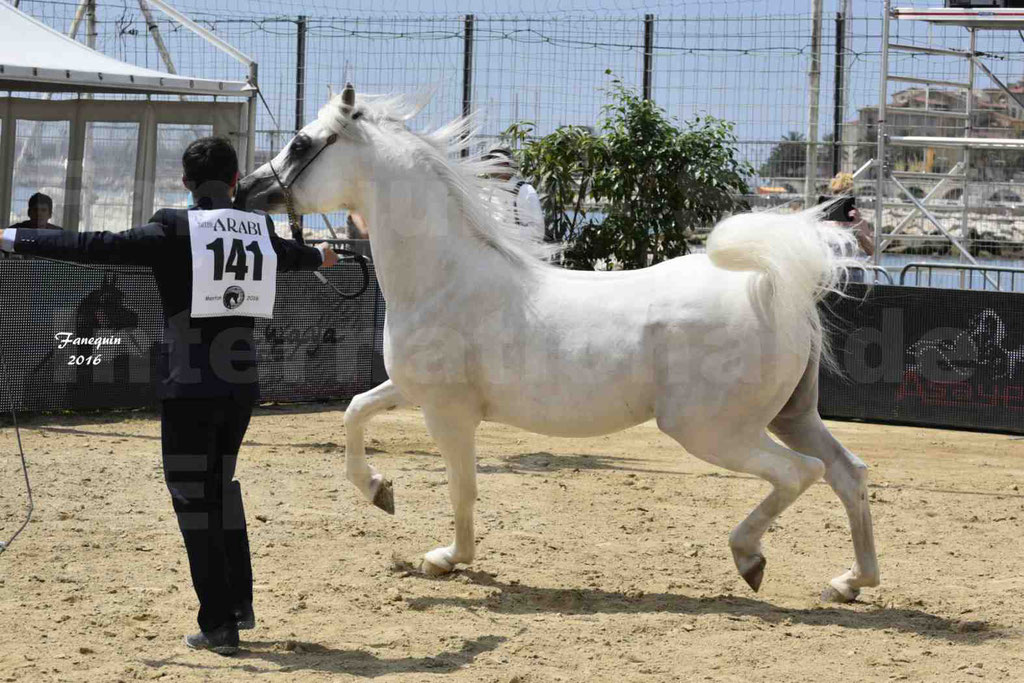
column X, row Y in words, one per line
column 420, row 253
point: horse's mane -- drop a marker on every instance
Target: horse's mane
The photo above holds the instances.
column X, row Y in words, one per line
column 486, row 203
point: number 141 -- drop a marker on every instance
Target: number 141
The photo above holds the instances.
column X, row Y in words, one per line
column 237, row 261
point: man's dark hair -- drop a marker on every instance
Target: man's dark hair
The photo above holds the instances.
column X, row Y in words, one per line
column 209, row 160
column 40, row 199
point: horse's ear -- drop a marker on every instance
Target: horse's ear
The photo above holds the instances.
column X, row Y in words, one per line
column 348, row 96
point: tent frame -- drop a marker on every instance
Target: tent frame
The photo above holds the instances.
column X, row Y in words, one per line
column 229, row 119
column 235, row 120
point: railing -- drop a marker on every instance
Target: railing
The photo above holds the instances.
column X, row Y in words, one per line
column 963, row 276
column 876, row 274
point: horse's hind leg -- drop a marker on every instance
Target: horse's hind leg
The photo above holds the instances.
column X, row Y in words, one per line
column 847, row 476
column 789, row 473
column 374, row 486
column 799, row 426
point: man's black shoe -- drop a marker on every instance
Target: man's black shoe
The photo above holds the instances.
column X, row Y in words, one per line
column 223, row 641
column 245, row 617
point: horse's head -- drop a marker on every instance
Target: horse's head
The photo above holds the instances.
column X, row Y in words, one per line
column 359, row 154
column 320, row 167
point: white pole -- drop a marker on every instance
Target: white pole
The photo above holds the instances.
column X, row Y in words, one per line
column 250, row 145
column 90, row 32
column 814, row 97
column 79, row 15
column 154, row 32
column 90, row 36
column 205, row 34
column 965, row 198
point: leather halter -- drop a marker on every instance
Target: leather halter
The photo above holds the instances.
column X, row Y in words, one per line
column 289, row 203
column 293, row 223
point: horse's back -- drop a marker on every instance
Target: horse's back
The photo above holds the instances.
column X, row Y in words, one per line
column 592, row 353
column 688, row 289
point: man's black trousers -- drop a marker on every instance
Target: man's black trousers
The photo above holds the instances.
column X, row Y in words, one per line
column 201, row 437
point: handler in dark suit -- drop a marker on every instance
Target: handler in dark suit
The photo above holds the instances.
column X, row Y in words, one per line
column 208, row 378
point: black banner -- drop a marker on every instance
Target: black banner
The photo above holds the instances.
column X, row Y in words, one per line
column 930, row 357
column 74, row 337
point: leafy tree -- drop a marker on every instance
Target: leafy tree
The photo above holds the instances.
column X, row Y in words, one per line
column 632, row 192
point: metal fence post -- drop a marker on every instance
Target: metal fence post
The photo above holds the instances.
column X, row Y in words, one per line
column 837, row 108
column 467, row 70
column 814, row 88
column 648, row 53
column 300, row 77
column 300, row 72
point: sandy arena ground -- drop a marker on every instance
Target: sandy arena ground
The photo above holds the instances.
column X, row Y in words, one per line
column 599, row 560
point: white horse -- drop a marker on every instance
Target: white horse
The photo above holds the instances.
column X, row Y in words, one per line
column 718, row 348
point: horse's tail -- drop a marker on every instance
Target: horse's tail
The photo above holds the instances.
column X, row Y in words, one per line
column 801, row 259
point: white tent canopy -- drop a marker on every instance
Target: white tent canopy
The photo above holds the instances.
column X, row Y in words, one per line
column 106, row 163
column 34, row 57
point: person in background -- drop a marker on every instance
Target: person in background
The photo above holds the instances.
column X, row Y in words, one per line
column 526, row 203
column 842, row 185
column 40, row 211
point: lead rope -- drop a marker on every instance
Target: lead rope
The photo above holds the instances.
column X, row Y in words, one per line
column 4, row 545
column 361, row 260
column 295, row 226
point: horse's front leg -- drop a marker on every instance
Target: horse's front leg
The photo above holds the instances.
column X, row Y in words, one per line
column 454, row 432
column 372, row 485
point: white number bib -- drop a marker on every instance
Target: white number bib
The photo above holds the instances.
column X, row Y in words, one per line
column 234, row 265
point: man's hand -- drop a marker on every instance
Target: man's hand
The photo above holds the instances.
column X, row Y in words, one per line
column 8, row 239
column 330, row 257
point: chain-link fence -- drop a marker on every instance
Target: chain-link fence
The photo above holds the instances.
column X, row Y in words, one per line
column 750, row 63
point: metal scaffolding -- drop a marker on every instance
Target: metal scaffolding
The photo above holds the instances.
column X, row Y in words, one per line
column 972, row 20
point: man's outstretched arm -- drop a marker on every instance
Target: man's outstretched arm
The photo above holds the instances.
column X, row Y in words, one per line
column 141, row 246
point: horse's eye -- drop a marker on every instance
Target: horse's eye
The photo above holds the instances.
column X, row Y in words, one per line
column 300, row 144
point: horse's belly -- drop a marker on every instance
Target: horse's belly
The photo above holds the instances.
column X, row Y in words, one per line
column 570, row 410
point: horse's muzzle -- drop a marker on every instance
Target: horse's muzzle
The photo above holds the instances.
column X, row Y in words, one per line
column 259, row 192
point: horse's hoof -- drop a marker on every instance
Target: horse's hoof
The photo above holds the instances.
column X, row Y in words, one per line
column 833, row 594
column 385, row 497
column 755, row 574
column 435, row 563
